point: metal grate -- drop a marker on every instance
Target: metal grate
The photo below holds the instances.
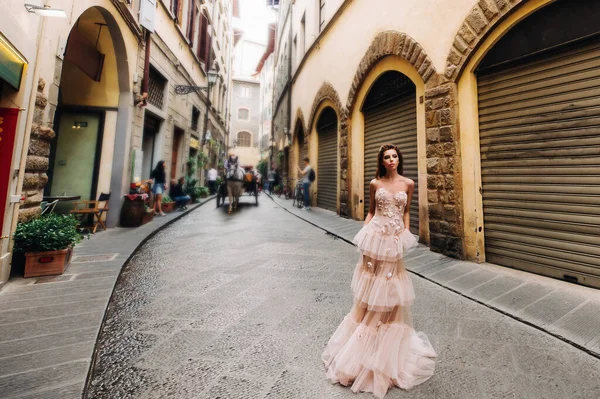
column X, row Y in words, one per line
column 54, row 279
column 94, row 258
column 156, row 89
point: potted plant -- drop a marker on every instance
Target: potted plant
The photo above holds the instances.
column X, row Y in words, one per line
column 168, row 205
column 47, row 243
column 203, row 192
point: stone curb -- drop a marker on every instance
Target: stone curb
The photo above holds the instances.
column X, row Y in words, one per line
column 453, row 262
column 117, row 280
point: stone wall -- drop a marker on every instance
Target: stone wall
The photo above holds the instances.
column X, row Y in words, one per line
column 38, row 158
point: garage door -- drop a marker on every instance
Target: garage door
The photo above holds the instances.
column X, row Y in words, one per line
column 395, row 122
column 327, row 168
column 540, row 164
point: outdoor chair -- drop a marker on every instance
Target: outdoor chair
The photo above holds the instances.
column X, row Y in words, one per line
column 92, row 209
column 48, row 207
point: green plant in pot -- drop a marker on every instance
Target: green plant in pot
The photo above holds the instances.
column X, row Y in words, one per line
column 47, row 243
column 168, row 205
column 203, row 192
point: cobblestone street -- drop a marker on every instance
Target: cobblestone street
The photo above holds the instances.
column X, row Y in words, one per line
column 241, row 306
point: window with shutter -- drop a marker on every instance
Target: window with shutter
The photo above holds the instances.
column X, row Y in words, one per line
column 203, row 39
column 243, row 114
column 244, row 139
column 191, row 23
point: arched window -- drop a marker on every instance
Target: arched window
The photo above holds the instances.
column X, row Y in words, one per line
column 244, row 139
column 243, row 114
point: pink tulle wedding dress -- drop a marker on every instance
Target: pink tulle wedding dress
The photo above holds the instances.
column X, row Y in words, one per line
column 376, row 345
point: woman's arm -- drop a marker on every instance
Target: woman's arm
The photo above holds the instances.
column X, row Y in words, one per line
column 409, row 194
column 372, row 201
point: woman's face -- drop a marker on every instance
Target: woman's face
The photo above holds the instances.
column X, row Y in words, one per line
column 390, row 159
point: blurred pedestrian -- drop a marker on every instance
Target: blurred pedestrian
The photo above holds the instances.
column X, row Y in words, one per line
column 306, row 183
column 178, row 194
column 159, row 176
column 212, row 180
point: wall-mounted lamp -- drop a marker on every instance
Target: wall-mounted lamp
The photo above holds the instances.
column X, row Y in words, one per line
column 45, row 11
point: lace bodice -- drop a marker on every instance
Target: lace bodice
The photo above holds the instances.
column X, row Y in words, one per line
column 391, row 206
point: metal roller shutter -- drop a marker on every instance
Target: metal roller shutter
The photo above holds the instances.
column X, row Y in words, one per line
column 327, row 168
column 394, row 122
column 540, row 164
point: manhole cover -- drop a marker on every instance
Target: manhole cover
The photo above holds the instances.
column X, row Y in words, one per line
column 93, row 258
column 54, row 279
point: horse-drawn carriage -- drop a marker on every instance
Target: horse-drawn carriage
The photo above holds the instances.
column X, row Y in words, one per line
column 239, row 180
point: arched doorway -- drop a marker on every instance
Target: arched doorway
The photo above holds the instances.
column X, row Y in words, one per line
column 390, row 115
column 90, row 154
column 539, row 130
column 327, row 163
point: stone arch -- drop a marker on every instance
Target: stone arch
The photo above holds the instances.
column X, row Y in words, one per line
column 482, row 19
column 298, row 120
column 326, row 92
column 385, row 44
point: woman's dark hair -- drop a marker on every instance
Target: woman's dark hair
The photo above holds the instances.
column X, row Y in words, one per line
column 159, row 172
column 306, row 160
column 380, row 168
column 160, row 166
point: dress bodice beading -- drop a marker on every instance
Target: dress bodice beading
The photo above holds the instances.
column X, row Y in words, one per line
column 385, row 236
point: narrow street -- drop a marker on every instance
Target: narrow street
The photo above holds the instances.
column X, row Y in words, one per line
column 241, row 306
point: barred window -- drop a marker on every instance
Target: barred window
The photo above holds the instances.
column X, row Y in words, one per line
column 156, row 89
column 244, row 114
column 195, row 118
column 244, row 139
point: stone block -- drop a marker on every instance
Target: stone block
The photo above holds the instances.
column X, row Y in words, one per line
column 435, row 150
column 460, row 45
column 450, row 213
column 450, row 71
column 33, row 198
column 420, row 60
column 417, row 51
column 39, row 148
column 43, row 179
column 42, row 132
column 454, row 57
column 435, row 182
column 27, row 214
column 501, row 4
column 446, row 134
column 448, row 182
column 433, row 165
column 41, row 100
column 36, row 164
column 489, row 8
column 432, row 119
column 31, row 180
column 449, row 148
column 433, row 196
column 447, row 116
column 436, row 211
column 454, row 248
column 434, row 226
column 444, row 166
column 426, row 71
column 433, row 135
column 466, row 34
column 477, row 21
column 437, row 242
column 444, row 227
column 438, row 91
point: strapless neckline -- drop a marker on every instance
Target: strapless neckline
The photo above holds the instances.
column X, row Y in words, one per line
column 389, row 192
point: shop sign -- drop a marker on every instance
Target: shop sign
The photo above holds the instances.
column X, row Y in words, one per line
column 194, row 143
column 8, row 127
column 12, row 65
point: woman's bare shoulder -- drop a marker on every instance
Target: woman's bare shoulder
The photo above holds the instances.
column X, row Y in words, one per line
column 409, row 182
column 374, row 183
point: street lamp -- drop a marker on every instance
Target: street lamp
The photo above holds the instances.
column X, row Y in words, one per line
column 184, row 89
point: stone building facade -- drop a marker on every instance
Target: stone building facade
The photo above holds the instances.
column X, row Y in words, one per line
column 245, row 120
column 440, row 76
column 72, row 105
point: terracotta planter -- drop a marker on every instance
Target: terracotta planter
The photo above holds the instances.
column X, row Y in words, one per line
column 49, row 263
column 168, row 206
column 147, row 217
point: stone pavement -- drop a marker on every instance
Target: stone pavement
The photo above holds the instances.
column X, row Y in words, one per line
column 567, row 311
column 241, row 306
column 49, row 326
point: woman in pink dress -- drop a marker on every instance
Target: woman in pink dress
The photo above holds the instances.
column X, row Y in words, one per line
column 376, row 345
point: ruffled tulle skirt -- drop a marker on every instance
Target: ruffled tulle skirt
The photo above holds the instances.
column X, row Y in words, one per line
column 376, row 345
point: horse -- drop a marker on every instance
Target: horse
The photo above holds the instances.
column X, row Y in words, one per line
column 235, row 181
